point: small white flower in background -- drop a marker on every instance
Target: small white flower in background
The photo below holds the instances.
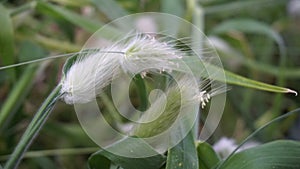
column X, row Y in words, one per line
column 293, row 8
column 146, row 24
column 225, row 146
column 134, row 54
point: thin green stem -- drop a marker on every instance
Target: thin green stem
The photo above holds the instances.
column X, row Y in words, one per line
column 141, row 87
column 36, row 124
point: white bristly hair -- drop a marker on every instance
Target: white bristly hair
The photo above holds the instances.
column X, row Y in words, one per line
column 92, row 72
column 88, row 75
column 145, row 51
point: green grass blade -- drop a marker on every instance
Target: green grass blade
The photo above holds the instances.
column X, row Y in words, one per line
column 174, row 7
column 76, row 3
column 255, row 133
column 17, row 94
column 231, row 7
column 103, row 158
column 256, row 27
column 229, row 53
column 281, row 154
column 7, row 41
column 57, row 11
column 27, row 52
column 110, row 8
column 248, row 26
column 232, row 78
column 208, row 158
column 23, row 8
column 54, row 44
column 83, row 22
column 235, row 79
column 183, row 155
column 32, row 130
column 141, row 89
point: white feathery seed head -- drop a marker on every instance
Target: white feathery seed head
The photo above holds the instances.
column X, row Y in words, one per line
column 92, row 72
column 144, row 51
column 88, row 75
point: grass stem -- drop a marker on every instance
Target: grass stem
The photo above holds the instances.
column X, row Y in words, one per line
column 32, row 130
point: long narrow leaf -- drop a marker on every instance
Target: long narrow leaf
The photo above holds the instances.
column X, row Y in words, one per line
column 7, row 40
column 85, row 23
column 17, row 94
column 104, row 157
column 110, row 8
column 183, row 155
column 281, row 154
column 32, row 130
column 208, row 158
column 232, row 78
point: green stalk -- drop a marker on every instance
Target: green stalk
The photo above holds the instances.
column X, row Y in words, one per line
column 141, row 87
column 36, row 124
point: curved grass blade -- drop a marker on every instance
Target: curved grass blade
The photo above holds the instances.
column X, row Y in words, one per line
column 228, row 52
column 32, row 130
column 256, row 27
column 251, row 26
column 232, row 78
column 76, row 19
column 235, row 79
column 208, row 158
column 281, row 154
column 104, row 158
column 256, row 132
column 85, row 23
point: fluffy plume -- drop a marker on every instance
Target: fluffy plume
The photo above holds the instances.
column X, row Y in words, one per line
column 136, row 54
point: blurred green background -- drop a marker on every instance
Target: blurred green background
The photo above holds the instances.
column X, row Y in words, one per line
column 258, row 39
